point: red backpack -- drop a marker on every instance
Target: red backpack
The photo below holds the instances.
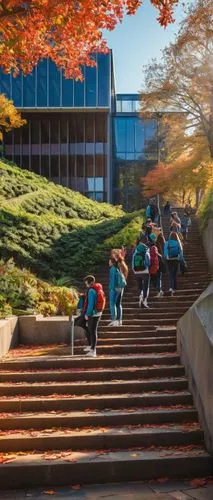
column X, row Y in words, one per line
column 154, row 262
column 101, row 298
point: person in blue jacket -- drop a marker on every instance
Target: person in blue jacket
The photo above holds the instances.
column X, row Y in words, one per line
column 173, row 253
column 89, row 315
column 115, row 293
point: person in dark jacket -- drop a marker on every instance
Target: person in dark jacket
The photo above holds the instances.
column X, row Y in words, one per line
column 142, row 274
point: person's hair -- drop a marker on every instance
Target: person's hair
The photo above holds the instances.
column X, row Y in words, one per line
column 160, row 242
column 123, row 267
column 114, row 261
column 89, row 279
column 174, row 236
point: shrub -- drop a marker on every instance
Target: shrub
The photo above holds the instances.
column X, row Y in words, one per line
column 22, row 293
column 205, row 211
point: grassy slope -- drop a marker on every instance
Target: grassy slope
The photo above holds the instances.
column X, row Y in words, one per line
column 205, row 211
column 53, row 230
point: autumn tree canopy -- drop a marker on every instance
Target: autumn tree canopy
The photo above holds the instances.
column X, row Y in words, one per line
column 67, row 31
column 183, row 79
column 9, row 116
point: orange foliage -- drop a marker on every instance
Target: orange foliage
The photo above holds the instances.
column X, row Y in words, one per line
column 67, row 31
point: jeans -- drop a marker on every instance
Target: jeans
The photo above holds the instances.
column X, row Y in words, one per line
column 173, row 266
column 143, row 281
column 90, row 327
column 156, row 280
column 115, row 304
column 119, row 304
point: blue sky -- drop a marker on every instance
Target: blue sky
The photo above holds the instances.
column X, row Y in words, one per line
column 137, row 40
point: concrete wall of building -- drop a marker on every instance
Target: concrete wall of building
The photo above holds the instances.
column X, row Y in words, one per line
column 8, row 334
column 37, row 330
column 208, row 242
column 195, row 345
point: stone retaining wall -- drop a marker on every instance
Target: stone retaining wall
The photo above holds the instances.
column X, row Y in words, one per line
column 208, row 242
column 8, row 334
column 195, row 345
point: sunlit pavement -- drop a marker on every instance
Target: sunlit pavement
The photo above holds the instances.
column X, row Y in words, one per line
column 173, row 490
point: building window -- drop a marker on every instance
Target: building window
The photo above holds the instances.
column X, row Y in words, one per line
column 90, row 83
column 54, row 85
column 29, row 89
column 42, row 84
column 67, row 92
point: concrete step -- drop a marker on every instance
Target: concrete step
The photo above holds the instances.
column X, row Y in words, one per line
column 96, row 402
column 81, row 388
column 103, row 438
column 32, row 470
column 53, row 362
column 130, row 348
column 132, row 340
column 91, row 374
column 105, row 418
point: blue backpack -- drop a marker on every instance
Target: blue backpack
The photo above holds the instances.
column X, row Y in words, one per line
column 173, row 251
column 120, row 280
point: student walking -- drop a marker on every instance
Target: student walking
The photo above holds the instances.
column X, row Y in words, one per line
column 93, row 306
column 175, row 223
column 155, row 269
column 140, row 267
column 167, row 208
column 117, row 283
column 185, row 224
column 174, row 254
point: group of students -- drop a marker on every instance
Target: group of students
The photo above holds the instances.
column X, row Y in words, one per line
column 152, row 257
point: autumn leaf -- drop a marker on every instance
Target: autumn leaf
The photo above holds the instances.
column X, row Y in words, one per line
column 49, row 492
column 76, row 487
column 198, row 482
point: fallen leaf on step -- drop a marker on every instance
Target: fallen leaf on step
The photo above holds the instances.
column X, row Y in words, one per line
column 162, row 480
column 198, row 482
column 49, row 492
column 76, row 487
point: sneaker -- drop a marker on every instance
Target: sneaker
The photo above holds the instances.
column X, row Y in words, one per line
column 120, row 322
column 171, row 291
column 145, row 304
column 160, row 294
column 91, row 353
column 87, row 349
column 140, row 299
column 113, row 323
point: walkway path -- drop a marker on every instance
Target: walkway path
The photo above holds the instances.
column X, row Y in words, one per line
column 127, row 415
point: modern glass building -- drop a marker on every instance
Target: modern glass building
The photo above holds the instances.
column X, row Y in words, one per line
column 81, row 134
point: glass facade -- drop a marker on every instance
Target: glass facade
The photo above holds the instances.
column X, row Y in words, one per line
column 81, row 134
column 47, row 86
column 67, row 148
column 135, row 151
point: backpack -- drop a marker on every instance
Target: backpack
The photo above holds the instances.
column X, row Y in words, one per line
column 139, row 259
column 120, row 278
column 154, row 261
column 101, row 298
column 173, row 251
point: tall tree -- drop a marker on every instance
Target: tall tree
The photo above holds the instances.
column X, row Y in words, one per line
column 9, row 116
column 67, row 31
column 183, row 79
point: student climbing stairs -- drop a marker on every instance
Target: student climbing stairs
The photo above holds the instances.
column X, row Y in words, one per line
column 125, row 415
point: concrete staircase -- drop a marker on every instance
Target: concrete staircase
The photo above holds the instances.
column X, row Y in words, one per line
column 126, row 415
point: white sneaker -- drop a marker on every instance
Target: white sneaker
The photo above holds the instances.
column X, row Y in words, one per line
column 160, row 294
column 140, row 299
column 91, row 353
column 113, row 323
column 120, row 322
column 171, row 291
column 87, row 349
column 145, row 304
